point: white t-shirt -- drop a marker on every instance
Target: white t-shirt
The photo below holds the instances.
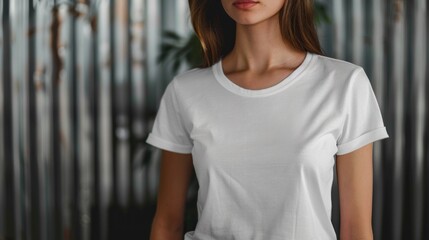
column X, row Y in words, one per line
column 264, row 158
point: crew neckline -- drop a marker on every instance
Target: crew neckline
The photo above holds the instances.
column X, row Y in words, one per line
column 285, row 82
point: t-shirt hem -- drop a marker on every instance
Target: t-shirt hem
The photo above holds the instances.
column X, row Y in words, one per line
column 167, row 145
column 371, row 136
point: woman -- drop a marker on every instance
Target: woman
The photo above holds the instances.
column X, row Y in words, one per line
column 263, row 122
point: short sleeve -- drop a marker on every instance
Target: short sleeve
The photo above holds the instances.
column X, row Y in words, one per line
column 363, row 122
column 168, row 131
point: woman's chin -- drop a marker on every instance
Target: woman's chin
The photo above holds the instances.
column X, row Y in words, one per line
column 251, row 20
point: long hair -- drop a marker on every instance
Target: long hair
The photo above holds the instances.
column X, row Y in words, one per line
column 216, row 30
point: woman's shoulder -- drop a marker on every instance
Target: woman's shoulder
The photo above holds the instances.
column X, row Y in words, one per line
column 343, row 72
column 192, row 81
column 193, row 77
column 332, row 63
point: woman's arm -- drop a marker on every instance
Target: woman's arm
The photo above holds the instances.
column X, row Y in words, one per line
column 355, row 179
column 175, row 174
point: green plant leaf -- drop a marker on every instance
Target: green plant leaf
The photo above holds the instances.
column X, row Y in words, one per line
column 166, row 50
column 171, row 35
column 321, row 16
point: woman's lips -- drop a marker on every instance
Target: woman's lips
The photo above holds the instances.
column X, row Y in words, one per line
column 244, row 4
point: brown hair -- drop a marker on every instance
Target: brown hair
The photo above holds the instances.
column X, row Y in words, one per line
column 216, row 30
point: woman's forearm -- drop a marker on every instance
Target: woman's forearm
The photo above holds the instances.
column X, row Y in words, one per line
column 356, row 233
column 163, row 234
column 162, row 231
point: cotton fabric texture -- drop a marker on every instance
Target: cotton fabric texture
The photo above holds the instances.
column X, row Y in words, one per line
column 264, row 159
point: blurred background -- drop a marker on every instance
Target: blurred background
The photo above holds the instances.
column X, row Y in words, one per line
column 80, row 84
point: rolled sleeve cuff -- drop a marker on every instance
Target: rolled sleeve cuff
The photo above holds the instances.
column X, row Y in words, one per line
column 167, row 145
column 362, row 140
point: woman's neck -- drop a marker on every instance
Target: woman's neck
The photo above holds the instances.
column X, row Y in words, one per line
column 261, row 46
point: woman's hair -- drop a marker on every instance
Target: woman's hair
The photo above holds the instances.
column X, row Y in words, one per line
column 216, row 30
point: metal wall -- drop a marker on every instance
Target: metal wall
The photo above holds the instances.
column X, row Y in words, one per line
column 71, row 116
column 79, row 86
column 390, row 40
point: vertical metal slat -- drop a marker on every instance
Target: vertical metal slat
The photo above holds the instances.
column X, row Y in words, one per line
column 377, row 73
column 9, row 216
column 418, row 88
column 357, row 22
column 2, row 150
column 16, row 26
column 33, row 176
column 104, row 106
column 397, row 77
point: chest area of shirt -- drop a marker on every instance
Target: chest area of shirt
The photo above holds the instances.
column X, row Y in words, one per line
column 302, row 125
